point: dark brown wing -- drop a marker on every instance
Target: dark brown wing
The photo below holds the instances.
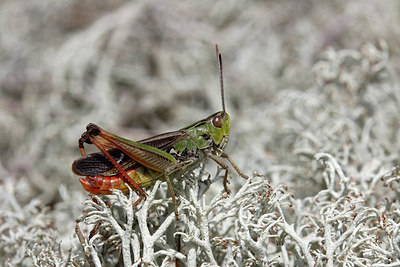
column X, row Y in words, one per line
column 165, row 141
column 98, row 164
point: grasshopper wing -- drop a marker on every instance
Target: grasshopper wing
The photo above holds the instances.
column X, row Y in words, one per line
column 165, row 141
column 98, row 164
column 146, row 155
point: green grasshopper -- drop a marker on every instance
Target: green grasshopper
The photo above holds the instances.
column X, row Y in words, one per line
column 122, row 162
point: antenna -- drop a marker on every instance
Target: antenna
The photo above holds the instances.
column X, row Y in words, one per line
column 221, row 79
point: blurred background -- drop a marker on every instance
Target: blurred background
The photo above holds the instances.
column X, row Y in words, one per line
column 301, row 77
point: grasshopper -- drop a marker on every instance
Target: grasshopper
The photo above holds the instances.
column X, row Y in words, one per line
column 139, row 164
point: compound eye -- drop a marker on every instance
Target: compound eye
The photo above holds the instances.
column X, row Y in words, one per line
column 217, row 121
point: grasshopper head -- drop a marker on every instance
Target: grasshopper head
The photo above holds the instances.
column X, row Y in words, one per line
column 220, row 124
column 220, row 121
